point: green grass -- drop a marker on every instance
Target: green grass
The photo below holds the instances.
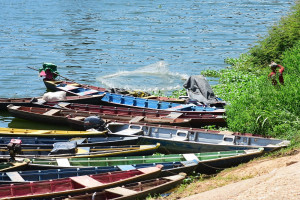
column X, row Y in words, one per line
column 256, row 106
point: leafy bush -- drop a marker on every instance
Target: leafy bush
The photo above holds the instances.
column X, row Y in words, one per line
column 257, row 106
column 210, row 73
column 178, row 93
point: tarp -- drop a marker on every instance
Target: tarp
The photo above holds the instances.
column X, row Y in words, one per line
column 199, row 89
column 64, row 148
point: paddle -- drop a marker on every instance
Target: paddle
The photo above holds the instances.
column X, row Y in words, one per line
column 54, row 73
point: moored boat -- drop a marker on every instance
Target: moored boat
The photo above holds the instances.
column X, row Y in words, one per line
column 177, row 140
column 195, row 120
column 113, row 99
column 137, row 190
column 205, row 163
column 17, row 132
column 75, row 118
column 51, row 85
column 33, row 101
column 70, row 149
column 82, row 140
column 168, row 168
column 74, row 185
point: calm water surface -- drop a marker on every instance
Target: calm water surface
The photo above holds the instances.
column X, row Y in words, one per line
column 140, row 44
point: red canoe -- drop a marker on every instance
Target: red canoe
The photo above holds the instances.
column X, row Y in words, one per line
column 75, row 185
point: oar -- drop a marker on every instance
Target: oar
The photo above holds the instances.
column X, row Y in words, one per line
column 54, row 73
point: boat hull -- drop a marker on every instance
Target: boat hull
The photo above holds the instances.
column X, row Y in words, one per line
column 71, row 151
column 113, row 99
column 91, row 99
column 177, row 140
column 164, row 117
column 75, row 185
column 47, row 141
column 137, row 190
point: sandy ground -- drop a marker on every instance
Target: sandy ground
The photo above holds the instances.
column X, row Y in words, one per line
column 273, row 179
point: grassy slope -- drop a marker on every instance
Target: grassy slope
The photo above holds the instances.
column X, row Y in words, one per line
column 256, row 105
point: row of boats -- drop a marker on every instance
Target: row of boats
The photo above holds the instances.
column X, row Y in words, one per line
column 144, row 146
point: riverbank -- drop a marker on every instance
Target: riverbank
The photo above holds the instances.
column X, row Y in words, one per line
column 263, row 178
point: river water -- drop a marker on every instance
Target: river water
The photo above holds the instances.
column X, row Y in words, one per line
column 149, row 45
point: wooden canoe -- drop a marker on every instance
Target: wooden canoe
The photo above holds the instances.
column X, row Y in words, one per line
column 75, row 119
column 70, row 150
column 177, row 140
column 33, row 101
column 91, row 140
column 113, row 99
column 15, row 132
column 168, row 168
column 137, row 190
column 74, row 185
column 195, row 120
column 204, row 163
column 52, row 85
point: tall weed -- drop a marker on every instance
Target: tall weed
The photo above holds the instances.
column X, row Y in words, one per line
column 257, row 106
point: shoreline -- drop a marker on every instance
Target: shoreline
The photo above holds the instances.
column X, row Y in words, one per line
column 262, row 178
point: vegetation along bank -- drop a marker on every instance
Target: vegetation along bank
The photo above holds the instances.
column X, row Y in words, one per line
column 256, row 106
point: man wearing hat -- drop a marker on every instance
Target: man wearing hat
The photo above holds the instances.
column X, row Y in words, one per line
column 49, row 71
column 272, row 75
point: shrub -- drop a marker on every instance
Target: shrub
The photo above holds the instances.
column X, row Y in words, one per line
column 257, row 106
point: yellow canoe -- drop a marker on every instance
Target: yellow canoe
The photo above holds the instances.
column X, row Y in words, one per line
column 32, row 132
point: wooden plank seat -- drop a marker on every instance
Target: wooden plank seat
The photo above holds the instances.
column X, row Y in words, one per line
column 121, row 191
column 86, row 181
column 174, row 115
column 136, row 119
column 130, row 131
column 190, row 156
column 63, row 162
column 181, row 107
column 79, row 118
column 51, row 112
column 126, row 167
column 15, row 176
column 173, row 178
